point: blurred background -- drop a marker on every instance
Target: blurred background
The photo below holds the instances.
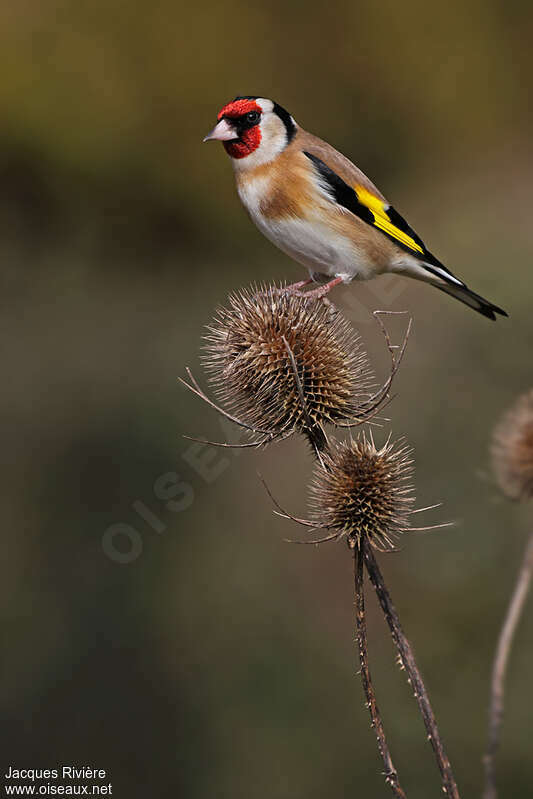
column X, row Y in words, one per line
column 157, row 625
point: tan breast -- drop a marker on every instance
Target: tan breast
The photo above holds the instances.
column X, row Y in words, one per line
column 280, row 189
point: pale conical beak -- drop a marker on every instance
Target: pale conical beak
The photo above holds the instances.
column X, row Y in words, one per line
column 224, row 131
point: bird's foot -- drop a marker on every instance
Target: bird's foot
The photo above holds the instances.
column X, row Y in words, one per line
column 293, row 288
column 314, row 294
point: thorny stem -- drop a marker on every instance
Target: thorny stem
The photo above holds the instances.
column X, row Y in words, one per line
column 499, row 669
column 391, row 776
column 408, row 662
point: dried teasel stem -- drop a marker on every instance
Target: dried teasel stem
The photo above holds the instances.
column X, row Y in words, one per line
column 414, row 677
column 512, row 462
column 364, row 493
column 391, row 775
column 503, row 650
column 283, row 364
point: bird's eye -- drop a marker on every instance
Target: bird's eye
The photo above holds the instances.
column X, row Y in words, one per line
column 253, row 116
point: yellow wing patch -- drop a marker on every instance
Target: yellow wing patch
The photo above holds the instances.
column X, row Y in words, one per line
column 381, row 219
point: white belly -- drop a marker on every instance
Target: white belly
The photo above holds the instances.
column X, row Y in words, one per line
column 314, row 245
column 310, row 241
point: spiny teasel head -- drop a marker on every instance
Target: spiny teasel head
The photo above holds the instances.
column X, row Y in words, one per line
column 512, row 450
column 282, row 362
column 363, row 491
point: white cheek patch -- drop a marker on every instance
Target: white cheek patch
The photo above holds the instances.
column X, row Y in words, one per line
column 273, row 141
column 265, row 104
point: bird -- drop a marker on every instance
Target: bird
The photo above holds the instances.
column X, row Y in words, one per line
column 319, row 208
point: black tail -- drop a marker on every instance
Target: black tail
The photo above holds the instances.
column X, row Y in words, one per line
column 473, row 300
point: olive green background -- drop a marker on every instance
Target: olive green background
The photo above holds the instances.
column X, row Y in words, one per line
column 219, row 660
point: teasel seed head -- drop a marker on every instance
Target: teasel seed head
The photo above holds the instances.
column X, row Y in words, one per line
column 283, row 363
column 363, row 491
column 512, row 450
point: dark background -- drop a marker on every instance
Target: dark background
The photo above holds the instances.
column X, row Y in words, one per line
column 219, row 660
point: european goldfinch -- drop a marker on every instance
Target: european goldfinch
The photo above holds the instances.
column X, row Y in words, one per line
column 319, row 208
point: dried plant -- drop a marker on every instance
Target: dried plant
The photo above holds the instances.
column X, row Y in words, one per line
column 512, row 459
column 248, row 356
column 360, row 491
column 512, row 450
column 282, row 363
column 391, row 775
column 363, row 491
column 408, row 663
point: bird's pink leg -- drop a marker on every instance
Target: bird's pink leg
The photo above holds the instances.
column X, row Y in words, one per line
column 299, row 285
column 321, row 291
